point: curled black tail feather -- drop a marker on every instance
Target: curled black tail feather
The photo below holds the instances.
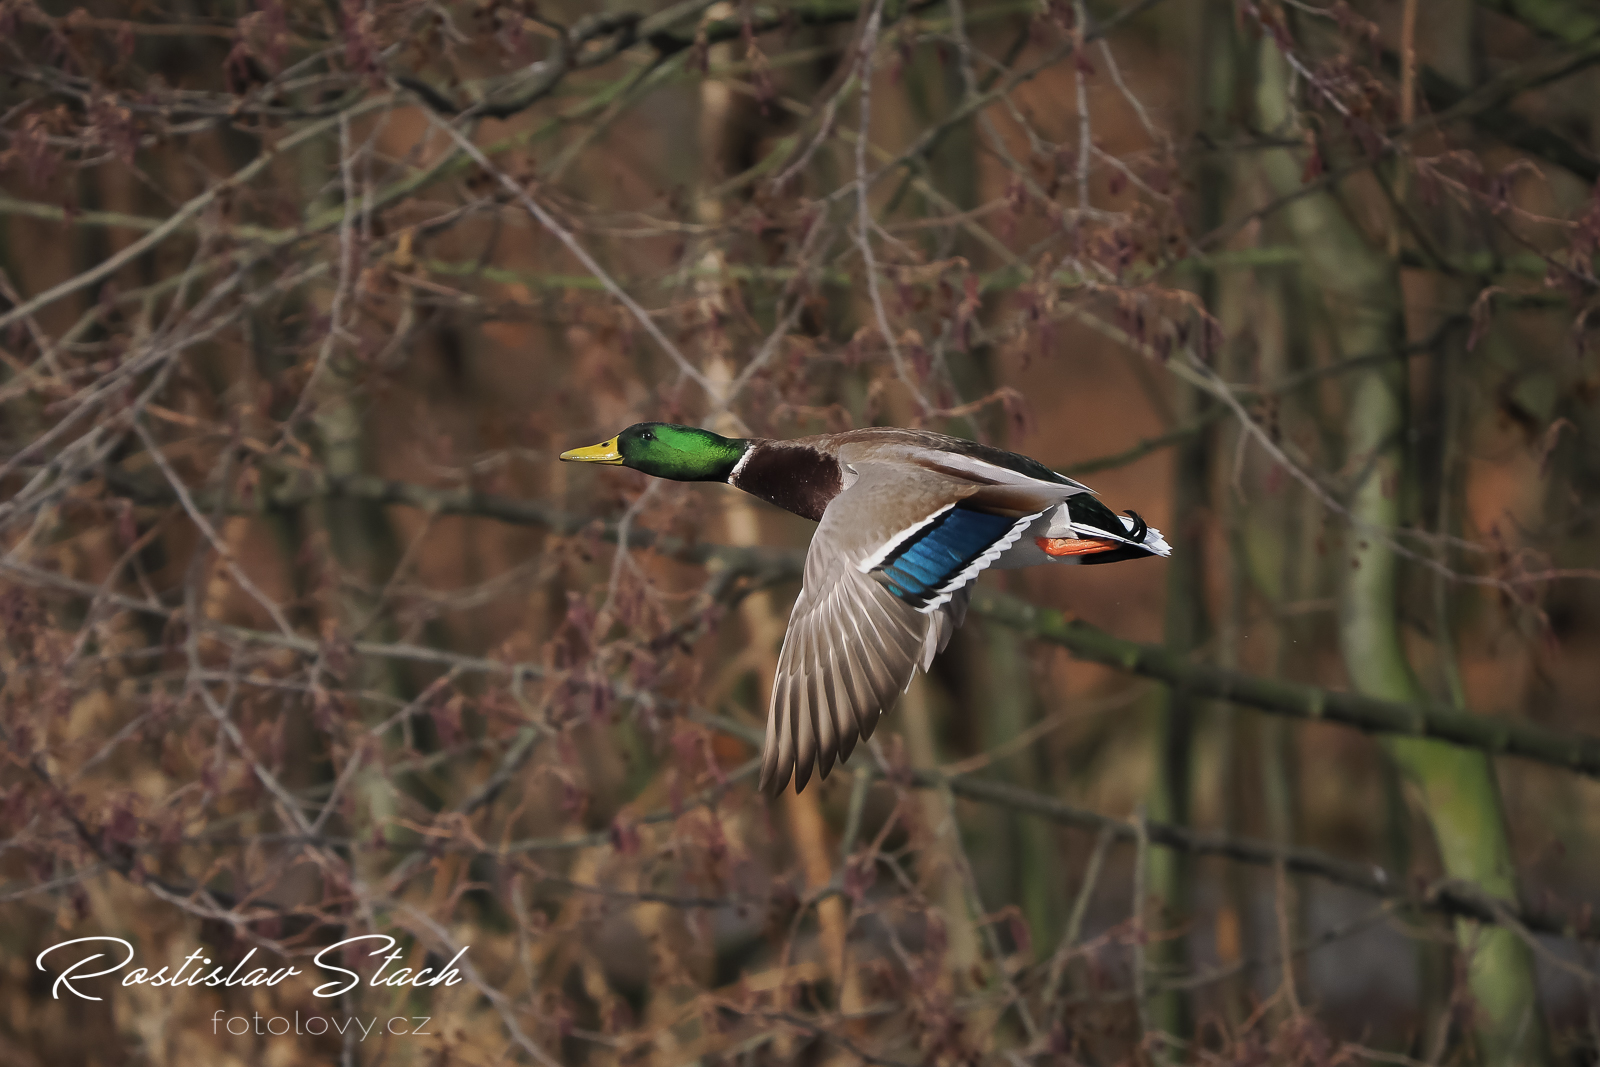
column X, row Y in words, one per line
column 1140, row 527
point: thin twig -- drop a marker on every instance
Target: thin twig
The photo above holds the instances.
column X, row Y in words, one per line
column 178, row 219
column 864, row 224
column 582, row 255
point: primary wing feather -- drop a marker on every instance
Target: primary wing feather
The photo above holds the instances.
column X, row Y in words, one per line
column 851, row 648
column 884, row 589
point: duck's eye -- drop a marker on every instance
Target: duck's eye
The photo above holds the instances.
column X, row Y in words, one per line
column 647, row 436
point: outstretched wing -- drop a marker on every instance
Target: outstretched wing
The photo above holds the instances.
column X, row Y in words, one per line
column 886, row 584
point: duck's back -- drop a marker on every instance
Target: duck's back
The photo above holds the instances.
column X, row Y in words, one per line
column 985, row 464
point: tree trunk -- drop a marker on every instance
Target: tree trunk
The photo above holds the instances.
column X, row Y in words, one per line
column 1362, row 287
column 1187, row 620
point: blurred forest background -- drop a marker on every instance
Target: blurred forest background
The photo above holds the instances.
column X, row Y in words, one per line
column 307, row 635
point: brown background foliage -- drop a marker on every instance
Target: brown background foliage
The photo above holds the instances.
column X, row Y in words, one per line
column 308, row 636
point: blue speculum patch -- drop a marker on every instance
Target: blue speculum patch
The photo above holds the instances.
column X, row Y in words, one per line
column 918, row 568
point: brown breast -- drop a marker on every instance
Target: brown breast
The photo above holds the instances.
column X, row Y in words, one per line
column 795, row 477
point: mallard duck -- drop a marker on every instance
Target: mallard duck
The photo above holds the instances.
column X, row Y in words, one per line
column 907, row 520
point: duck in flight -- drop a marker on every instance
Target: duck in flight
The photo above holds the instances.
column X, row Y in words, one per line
column 907, row 519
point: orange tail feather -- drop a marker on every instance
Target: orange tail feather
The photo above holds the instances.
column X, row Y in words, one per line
column 1073, row 546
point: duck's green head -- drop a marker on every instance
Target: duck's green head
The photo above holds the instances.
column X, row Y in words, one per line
column 681, row 453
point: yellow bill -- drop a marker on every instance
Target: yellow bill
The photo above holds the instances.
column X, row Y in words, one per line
column 605, row 452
